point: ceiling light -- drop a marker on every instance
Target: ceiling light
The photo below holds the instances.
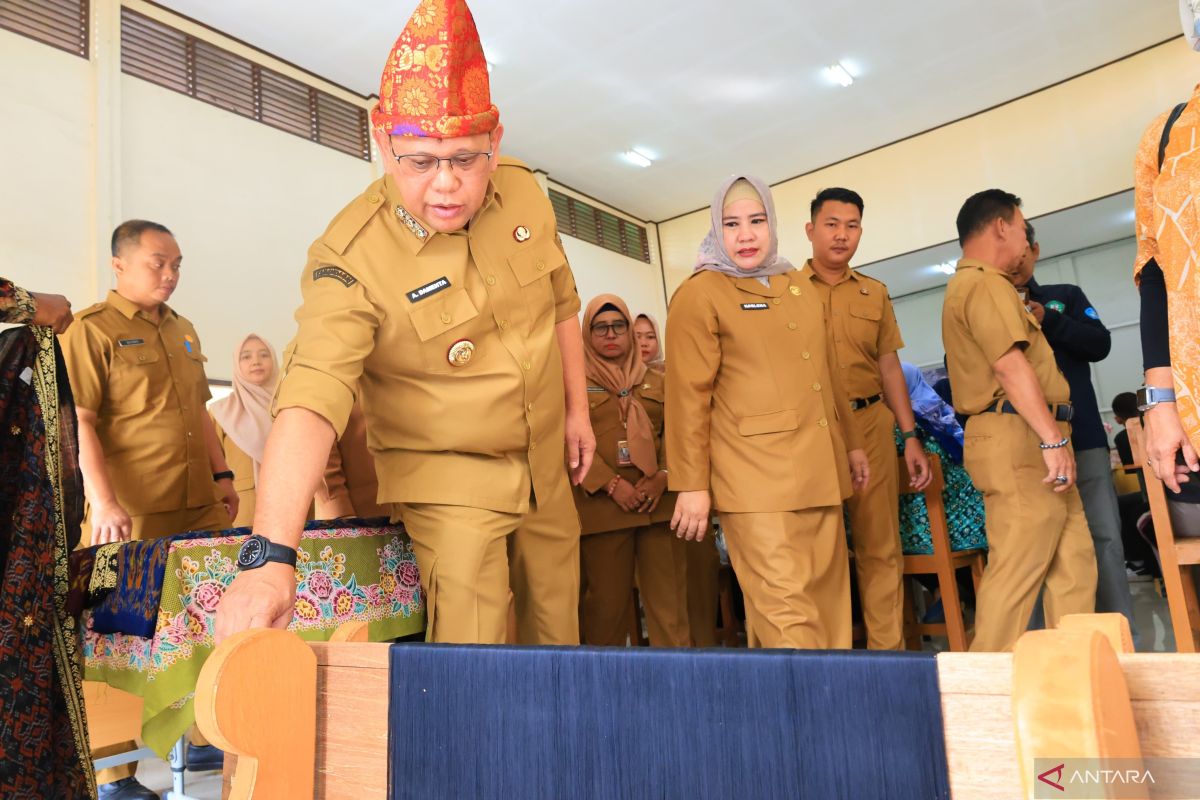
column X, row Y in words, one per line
column 637, row 158
column 837, row 73
column 946, row 267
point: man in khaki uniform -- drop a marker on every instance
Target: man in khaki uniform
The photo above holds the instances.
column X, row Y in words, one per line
column 147, row 447
column 866, row 338
column 756, row 415
column 442, row 299
column 1018, row 447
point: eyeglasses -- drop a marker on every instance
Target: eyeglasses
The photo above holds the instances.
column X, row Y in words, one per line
column 425, row 164
column 605, row 329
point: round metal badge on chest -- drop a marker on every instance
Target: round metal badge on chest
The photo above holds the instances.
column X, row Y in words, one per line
column 521, row 233
column 461, row 352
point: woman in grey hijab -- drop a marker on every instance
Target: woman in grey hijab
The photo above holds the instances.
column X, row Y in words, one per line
column 759, row 427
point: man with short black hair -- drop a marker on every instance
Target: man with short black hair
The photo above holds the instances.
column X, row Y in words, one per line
column 151, row 462
column 1018, row 447
column 866, row 340
column 1078, row 337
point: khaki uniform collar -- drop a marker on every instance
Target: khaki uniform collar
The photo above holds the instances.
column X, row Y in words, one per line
column 417, row 235
column 130, row 309
column 811, row 274
column 779, row 284
column 974, row 263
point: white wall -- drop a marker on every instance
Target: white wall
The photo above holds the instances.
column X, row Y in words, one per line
column 1105, row 274
column 601, row 271
column 45, row 167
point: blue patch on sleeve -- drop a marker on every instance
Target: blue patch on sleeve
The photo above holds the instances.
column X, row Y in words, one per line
column 1091, row 313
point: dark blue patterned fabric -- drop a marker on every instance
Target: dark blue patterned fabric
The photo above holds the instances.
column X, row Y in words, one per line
column 624, row 724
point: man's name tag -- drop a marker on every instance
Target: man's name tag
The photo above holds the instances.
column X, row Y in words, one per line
column 130, row 342
column 754, row 306
column 428, row 290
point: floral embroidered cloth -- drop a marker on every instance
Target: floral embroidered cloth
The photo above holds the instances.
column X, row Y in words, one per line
column 347, row 570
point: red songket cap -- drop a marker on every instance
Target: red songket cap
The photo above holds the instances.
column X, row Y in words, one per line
column 435, row 82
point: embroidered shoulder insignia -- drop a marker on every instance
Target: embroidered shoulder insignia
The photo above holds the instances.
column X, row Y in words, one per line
column 337, row 273
column 411, row 223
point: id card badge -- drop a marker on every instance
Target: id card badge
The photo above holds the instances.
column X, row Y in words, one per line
column 623, row 459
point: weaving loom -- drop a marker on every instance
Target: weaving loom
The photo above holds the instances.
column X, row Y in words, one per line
column 425, row 721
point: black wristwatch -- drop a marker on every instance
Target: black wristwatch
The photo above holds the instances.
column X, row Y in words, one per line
column 259, row 550
column 220, row 476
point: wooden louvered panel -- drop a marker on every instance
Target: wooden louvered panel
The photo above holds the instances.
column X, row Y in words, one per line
column 158, row 53
column 285, row 103
column 342, row 125
column 63, row 24
column 154, row 52
column 576, row 218
column 223, row 79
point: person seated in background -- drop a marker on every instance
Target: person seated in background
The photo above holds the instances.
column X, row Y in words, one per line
column 703, row 560
column 242, row 420
column 624, row 506
column 759, row 425
column 1140, row 557
column 151, row 462
column 649, row 342
column 963, row 504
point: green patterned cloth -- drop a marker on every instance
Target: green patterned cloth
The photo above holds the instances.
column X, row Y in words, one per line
column 964, row 509
column 343, row 575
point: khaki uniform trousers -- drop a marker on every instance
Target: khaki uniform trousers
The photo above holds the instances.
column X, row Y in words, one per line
column 1036, row 537
column 608, row 562
column 703, row 571
column 543, row 553
column 794, row 572
column 875, row 533
column 156, row 526
column 469, row 558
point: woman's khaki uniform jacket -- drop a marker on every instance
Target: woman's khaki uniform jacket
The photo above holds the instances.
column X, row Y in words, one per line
column 597, row 511
column 755, row 413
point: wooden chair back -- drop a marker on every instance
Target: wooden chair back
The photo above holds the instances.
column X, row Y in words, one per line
column 1176, row 556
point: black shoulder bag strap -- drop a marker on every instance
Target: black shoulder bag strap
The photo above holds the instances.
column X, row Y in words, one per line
column 1166, row 134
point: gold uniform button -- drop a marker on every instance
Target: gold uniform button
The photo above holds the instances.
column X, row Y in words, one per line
column 823, row 423
column 503, row 324
column 816, row 387
column 525, row 365
column 491, row 280
column 529, row 407
column 141, row 358
column 776, row 301
column 533, row 445
column 446, row 317
column 541, row 265
column 794, row 290
column 372, row 198
column 791, row 326
column 805, row 355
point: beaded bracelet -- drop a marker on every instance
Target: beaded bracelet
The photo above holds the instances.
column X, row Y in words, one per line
column 1063, row 443
column 612, row 485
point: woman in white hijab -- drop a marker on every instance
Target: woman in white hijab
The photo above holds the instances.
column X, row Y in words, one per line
column 243, row 419
column 759, row 426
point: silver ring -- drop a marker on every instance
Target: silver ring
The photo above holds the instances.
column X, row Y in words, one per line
column 1062, row 479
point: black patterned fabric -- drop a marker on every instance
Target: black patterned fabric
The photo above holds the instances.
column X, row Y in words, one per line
column 43, row 733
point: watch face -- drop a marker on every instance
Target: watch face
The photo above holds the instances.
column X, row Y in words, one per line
column 252, row 552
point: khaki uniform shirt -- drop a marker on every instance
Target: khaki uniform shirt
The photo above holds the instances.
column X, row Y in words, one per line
column 242, row 467
column 386, row 301
column 982, row 319
column 864, row 328
column 597, row 511
column 754, row 410
column 146, row 384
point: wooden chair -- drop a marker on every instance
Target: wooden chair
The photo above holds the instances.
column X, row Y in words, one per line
column 319, row 728
column 943, row 563
column 1176, row 556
